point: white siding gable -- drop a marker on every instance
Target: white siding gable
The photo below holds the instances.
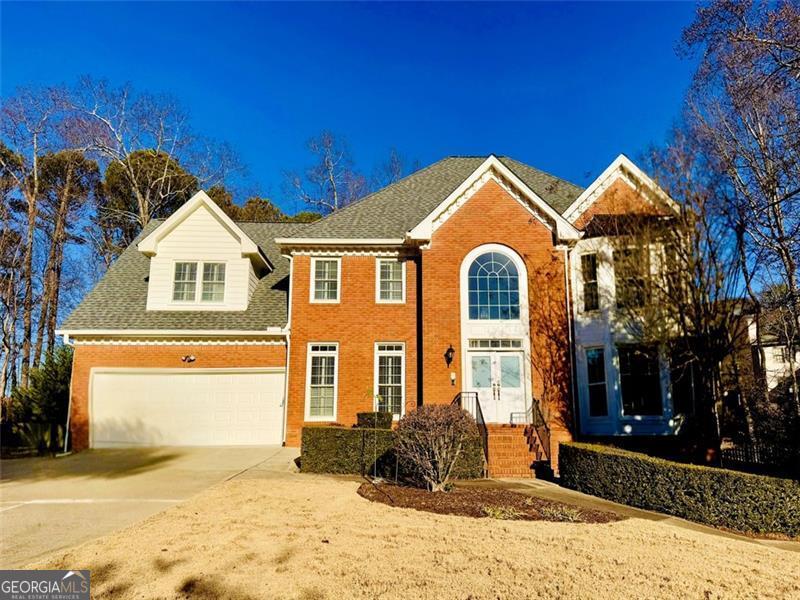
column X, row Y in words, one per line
column 200, row 237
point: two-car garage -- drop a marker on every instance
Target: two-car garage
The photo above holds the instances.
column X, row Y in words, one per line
column 186, row 407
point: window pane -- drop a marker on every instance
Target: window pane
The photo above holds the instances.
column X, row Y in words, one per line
column 631, row 269
column 321, row 383
column 391, row 280
column 493, row 283
column 598, row 406
column 481, row 372
column 185, row 281
column 326, row 280
column 213, row 282
column 640, row 381
column 510, row 372
column 596, row 377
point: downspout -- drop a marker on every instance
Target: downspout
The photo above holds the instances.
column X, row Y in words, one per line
column 571, row 338
column 288, row 329
column 418, row 329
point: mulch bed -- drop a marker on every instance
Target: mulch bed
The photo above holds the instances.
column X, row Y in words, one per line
column 482, row 503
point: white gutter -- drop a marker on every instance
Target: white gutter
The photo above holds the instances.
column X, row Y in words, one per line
column 269, row 331
column 339, row 241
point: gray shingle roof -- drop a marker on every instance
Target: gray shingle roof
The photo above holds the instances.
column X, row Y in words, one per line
column 119, row 300
column 396, row 209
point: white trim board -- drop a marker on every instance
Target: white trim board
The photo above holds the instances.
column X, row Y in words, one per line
column 493, row 169
column 149, row 245
column 621, row 168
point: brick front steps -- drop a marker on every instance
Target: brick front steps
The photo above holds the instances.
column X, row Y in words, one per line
column 510, row 451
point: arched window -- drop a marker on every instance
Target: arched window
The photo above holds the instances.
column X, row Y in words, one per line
column 493, row 287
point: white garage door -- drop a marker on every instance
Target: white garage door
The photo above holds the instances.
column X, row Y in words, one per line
column 215, row 407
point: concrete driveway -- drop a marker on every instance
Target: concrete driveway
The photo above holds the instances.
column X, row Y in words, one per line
column 51, row 503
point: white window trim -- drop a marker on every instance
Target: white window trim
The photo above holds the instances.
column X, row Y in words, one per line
column 198, row 284
column 402, row 354
column 312, row 285
column 378, row 299
column 335, row 354
column 522, row 275
column 589, row 385
column 582, row 302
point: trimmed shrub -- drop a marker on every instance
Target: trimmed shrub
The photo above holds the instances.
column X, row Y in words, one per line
column 374, row 420
column 430, row 441
column 362, row 451
column 471, row 462
column 718, row 497
column 347, row 450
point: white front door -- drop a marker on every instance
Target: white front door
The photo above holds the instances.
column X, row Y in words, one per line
column 498, row 378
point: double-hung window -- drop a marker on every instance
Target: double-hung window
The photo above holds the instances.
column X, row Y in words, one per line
column 213, row 282
column 591, row 299
column 631, row 274
column 184, row 286
column 596, row 380
column 322, row 374
column 211, row 285
column 390, row 378
column 391, row 280
column 325, row 279
column 640, row 380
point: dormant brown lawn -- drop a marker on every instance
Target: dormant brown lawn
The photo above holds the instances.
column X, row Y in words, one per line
column 300, row 536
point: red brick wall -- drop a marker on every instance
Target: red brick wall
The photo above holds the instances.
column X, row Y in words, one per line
column 492, row 216
column 356, row 323
column 151, row 356
column 618, row 199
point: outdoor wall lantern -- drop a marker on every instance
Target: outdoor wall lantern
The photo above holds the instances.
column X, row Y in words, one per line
column 449, row 354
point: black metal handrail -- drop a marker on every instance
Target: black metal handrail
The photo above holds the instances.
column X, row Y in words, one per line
column 469, row 402
column 540, row 425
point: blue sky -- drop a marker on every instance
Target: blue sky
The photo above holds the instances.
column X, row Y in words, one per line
column 564, row 87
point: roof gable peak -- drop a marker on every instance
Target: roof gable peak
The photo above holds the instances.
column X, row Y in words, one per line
column 149, row 245
column 493, row 168
column 623, row 168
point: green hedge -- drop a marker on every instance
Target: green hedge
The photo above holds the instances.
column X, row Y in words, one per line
column 719, row 497
column 346, row 450
column 374, row 420
column 362, row 451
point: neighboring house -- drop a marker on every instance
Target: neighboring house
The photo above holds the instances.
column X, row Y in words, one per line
column 455, row 279
column 776, row 369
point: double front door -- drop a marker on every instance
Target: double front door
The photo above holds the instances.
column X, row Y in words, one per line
column 499, row 380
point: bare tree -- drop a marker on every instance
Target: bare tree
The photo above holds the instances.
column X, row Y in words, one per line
column 744, row 113
column 69, row 180
column 331, row 183
column 677, row 280
column 145, row 140
column 393, row 169
column 28, row 126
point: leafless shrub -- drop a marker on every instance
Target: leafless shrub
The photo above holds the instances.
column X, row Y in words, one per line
column 430, row 441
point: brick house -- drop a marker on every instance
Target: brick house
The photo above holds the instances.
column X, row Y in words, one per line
column 476, row 279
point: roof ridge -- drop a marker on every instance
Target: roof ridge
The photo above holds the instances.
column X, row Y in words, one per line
column 575, row 185
column 383, row 189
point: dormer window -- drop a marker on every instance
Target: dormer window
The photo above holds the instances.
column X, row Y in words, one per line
column 185, row 283
column 213, row 282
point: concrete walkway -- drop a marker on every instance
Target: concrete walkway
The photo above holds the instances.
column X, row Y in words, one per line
column 51, row 503
column 551, row 491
